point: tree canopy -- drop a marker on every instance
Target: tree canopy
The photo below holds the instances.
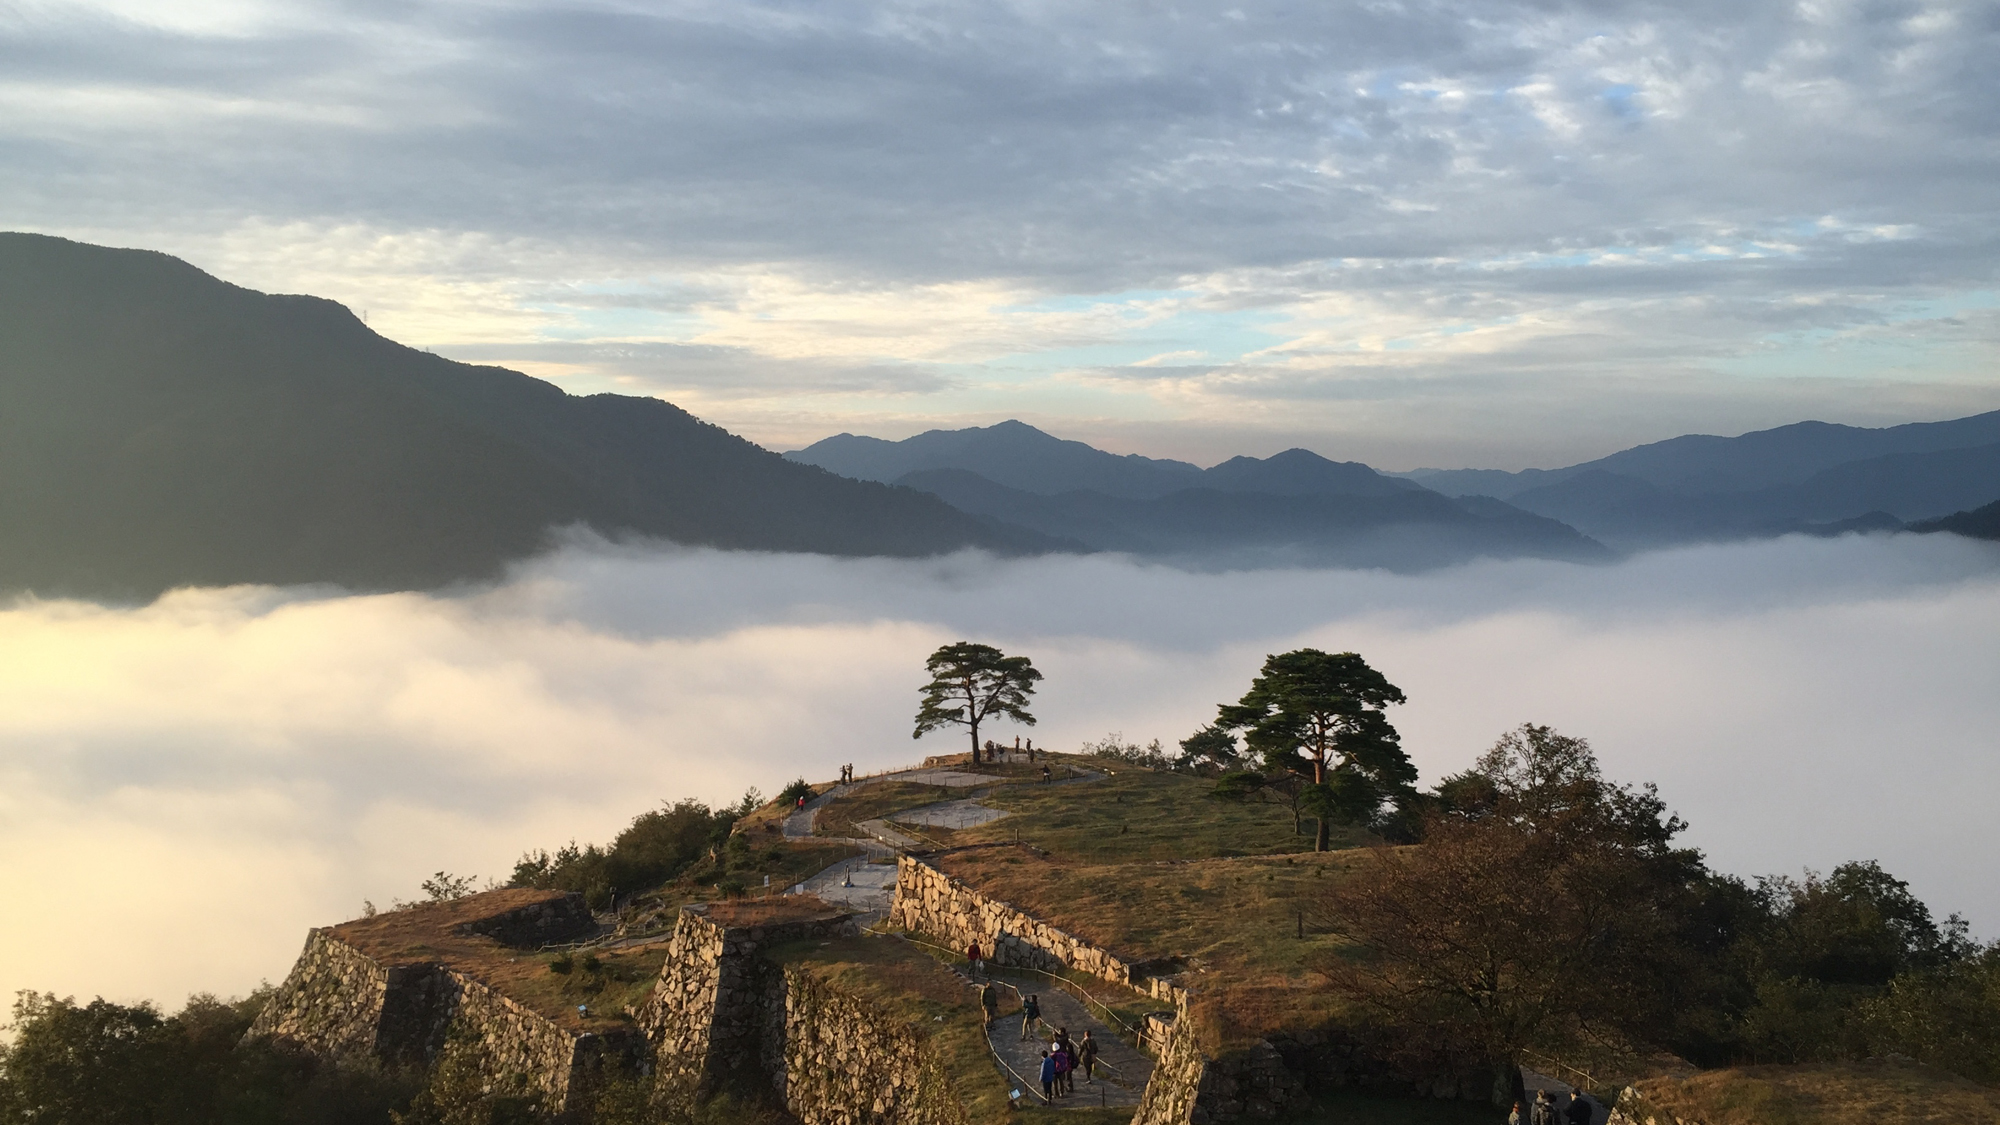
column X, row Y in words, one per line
column 971, row 683
column 1320, row 715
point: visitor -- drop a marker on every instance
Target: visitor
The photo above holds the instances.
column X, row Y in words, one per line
column 1544, row 1112
column 1516, row 1117
column 972, row 956
column 1045, row 773
column 1031, row 1010
column 1086, row 1057
column 1048, row 1077
column 1062, row 1069
column 1580, row 1110
column 989, row 999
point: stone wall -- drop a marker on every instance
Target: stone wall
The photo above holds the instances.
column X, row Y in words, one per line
column 928, row 901
column 840, row 1066
column 706, row 1020
column 534, row 926
column 338, row 1002
column 331, row 1004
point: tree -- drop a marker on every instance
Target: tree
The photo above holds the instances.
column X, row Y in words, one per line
column 1210, row 747
column 1551, row 918
column 1319, row 715
column 971, row 683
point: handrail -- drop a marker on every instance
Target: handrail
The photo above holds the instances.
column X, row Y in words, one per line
column 1589, row 1082
column 1085, row 996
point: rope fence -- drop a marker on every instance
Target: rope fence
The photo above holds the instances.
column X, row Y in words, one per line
column 1062, row 982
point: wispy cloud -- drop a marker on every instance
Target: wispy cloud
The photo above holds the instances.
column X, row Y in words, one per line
column 1628, row 209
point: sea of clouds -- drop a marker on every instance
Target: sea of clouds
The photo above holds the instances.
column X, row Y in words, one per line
column 185, row 787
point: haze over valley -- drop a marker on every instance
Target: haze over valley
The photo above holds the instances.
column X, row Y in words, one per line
column 1399, row 562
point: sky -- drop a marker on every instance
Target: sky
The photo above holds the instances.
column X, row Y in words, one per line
column 218, row 771
column 1423, row 233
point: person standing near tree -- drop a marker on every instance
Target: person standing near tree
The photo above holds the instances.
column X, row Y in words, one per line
column 971, row 683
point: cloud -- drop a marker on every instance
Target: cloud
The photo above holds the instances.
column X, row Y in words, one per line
column 225, row 768
column 1648, row 211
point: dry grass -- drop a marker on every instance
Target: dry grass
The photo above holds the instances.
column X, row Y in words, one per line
column 915, row 997
column 1865, row 1094
column 1139, row 814
column 765, row 911
column 426, row 933
column 840, row 816
column 1235, row 921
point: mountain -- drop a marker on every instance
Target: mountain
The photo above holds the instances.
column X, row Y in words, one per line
column 1696, row 464
column 1301, row 472
column 1022, row 457
column 1982, row 522
column 1403, row 529
column 1630, row 512
column 159, row 427
column 1012, row 453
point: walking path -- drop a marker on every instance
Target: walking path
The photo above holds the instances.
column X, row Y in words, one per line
column 1123, row 1070
column 865, row 885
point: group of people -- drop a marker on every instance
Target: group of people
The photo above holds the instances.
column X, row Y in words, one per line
column 1063, row 1059
column 847, row 773
column 1544, row 1111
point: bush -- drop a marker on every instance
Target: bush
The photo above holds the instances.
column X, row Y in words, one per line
column 790, row 794
column 656, row 847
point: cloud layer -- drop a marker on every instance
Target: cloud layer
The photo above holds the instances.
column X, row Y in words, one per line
column 225, row 768
column 1450, row 231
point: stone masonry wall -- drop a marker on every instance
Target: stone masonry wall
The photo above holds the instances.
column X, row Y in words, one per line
column 338, row 1002
column 706, row 1020
column 841, row 1066
column 331, row 1004
column 931, row 902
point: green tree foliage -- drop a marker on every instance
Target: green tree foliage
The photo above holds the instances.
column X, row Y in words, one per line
column 1549, row 908
column 655, row 847
column 110, row 1064
column 1211, row 748
column 1320, row 715
column 1543, row 918
column 971, row 683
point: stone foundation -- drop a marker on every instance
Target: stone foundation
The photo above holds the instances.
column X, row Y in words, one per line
column 340, row 1003
column 928, row 901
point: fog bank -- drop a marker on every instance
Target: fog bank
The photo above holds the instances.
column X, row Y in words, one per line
column 186, row 787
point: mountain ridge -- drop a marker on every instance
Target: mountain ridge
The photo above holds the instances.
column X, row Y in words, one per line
column 162, row 427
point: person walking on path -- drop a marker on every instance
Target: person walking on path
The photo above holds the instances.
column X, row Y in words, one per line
column 1031, row 1010
column 989, row 1001
column 1062, row 1070
column 1086, row 1057
column 1544, row 1112
column 1048, row 1077
column 972, row 956
column 1579, row 1110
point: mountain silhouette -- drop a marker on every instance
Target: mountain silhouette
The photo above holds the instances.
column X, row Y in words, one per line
column 1012, row 453
column 160, row 427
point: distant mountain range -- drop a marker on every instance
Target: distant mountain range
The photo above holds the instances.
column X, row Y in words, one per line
column 1810, row 476
column 159, row 427
column 1295, row 508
